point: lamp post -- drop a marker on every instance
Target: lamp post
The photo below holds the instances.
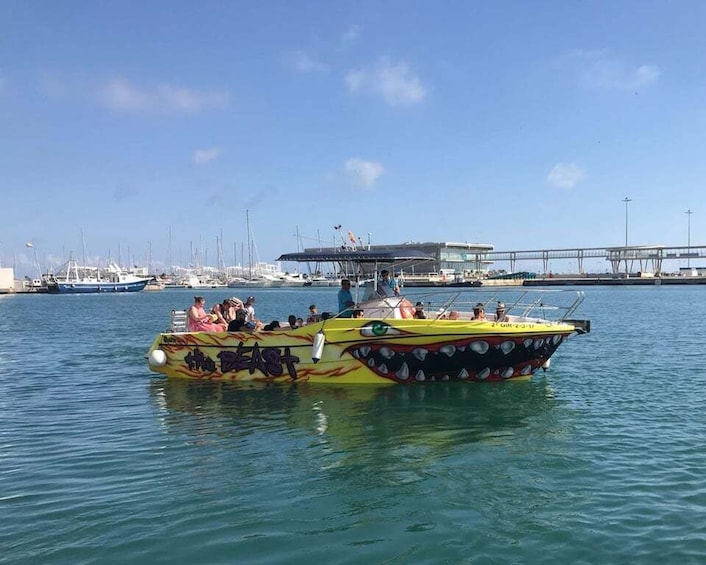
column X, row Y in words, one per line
column 688, row 237
column 627, row 201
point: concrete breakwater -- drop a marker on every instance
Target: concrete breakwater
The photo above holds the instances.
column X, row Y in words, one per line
column 612, row 280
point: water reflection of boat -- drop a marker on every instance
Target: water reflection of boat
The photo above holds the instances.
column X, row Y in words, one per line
column 443, row 415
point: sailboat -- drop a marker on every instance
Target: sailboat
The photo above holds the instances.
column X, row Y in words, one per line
column 259, row 274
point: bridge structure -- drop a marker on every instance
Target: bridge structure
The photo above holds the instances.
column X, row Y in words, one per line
column 622, row 259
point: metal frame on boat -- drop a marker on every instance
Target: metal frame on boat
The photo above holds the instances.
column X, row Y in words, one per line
column 388, row 344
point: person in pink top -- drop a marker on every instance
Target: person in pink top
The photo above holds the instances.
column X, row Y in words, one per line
column 199, row 320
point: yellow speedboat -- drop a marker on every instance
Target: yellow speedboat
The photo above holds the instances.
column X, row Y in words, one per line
column 386, row 345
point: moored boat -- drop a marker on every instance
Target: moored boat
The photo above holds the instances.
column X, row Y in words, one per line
column 388, row 344
column 74, row 279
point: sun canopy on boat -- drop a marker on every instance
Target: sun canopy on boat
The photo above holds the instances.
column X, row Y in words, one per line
column 357, row 256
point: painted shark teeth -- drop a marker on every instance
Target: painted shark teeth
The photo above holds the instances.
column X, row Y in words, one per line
column 364, row 350
column 479, row 347
column 448, row 349
column 403, row 372
column 526, row 370
column 420, row 376
column 507, row 373
column 386, row 352
column 484, row 374
column 383, row 369
column 371, row 362
column 463, row 374
column 556, row 339
column 528, row 342
column 420, row 353
column 507, row 346
column 538, row 342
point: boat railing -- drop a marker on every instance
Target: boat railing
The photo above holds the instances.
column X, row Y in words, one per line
column 525, row 304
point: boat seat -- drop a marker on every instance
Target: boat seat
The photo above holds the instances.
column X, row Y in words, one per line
column 178, row 321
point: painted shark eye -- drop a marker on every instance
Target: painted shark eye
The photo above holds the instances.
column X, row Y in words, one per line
column 378, row 329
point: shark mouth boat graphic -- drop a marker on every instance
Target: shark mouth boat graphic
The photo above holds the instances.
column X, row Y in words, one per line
column 388, row 343
column 483, row 358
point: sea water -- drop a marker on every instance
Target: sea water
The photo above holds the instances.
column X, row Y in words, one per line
column 599, row 460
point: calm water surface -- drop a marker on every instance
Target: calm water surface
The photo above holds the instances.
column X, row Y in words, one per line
column 599, row 460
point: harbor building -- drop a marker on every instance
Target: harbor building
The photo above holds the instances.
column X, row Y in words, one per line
column 449, row 259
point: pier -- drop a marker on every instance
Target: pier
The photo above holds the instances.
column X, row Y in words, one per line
column 650, row 258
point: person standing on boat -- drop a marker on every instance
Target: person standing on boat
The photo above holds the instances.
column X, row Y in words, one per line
column 345, row 299
column 389, row 286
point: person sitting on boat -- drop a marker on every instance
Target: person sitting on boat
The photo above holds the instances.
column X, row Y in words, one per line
column 500, row 315
column 313, row 315
column 345, row 299
column 478, row 312
column 199, row 320
column 389, row 286
column 419, row 311
column 453, row 315
column 292, row 321
column 250, row 310
column 225, row 311
column 241, row 323
column 357, row 313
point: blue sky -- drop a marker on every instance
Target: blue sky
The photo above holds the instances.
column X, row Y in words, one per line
column 519, row 124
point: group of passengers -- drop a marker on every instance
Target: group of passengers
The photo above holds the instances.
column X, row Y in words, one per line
column 478, row 313
column 235, row 315
column 232, row 315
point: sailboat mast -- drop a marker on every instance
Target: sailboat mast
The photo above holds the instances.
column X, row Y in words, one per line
column 83, row 245
column 247, row 223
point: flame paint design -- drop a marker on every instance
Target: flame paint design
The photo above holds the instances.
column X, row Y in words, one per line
column 360, row 351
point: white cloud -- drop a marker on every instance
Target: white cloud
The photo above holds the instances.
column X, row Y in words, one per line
column 203, row 156
column 566, row 175
column 351, row 34
column 363, row 173
column 597, row 70
column 396, row 83
column 121, row 95
column 302, row 62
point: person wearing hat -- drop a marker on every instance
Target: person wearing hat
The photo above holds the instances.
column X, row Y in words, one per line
column 250, row 310
column 500, row 315
column 419, row 311
column 478, row 312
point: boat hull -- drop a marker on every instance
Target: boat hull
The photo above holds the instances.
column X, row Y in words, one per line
column 98, row 287
column 363, row 351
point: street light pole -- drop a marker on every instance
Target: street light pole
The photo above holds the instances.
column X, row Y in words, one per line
column 688, row 237
column 627, row 201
